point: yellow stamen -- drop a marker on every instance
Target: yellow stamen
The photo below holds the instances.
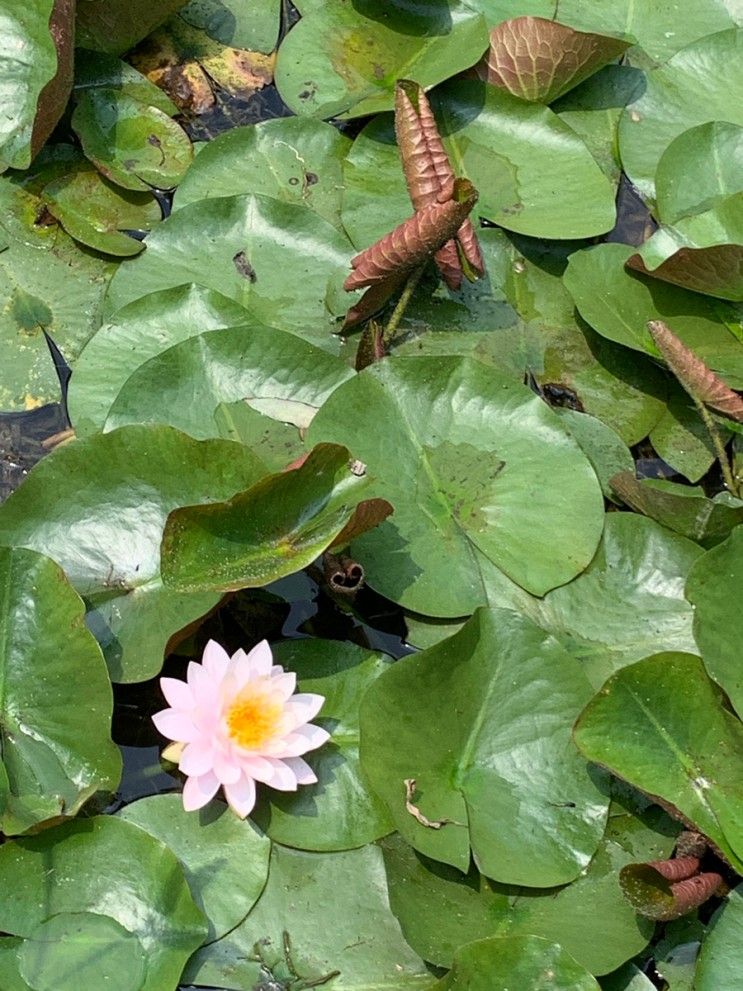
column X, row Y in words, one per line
column 253, row 717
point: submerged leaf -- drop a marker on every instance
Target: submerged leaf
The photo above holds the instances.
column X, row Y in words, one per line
column 538, row 59
column 413, row 241
column 699, row 381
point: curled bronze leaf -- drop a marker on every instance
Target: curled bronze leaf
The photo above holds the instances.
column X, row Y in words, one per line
column 698, row 380
column 427, row 172
column 538, row 59
column 668, row 889
column 413, row 241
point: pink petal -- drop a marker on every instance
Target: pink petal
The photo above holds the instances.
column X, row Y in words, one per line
column 197, row 791
column 177, row 693
column 197, row 758
column 300, row 740
column 282, row 777
column 176, row 726
column 284, row 683
column 276, row 670
column 256, row 767
column 227, row 769
column 215, row 660
column 258, row 663
column 301, row 770
column 203, row 686
column 304, row 707
column 241, row 796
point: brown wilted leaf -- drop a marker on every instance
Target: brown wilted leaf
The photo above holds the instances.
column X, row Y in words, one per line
column 427, row 172
column 699, row 381
column 373, row 301
column 413, row 241
column 367, row 515
column 54, row 96
column 539, row 60
column 371, row 345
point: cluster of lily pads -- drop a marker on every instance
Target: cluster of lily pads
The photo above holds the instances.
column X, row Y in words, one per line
column 499, row 808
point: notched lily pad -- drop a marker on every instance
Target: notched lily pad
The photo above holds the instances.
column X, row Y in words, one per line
column 98, row 213
column 660, row 724
column 539, row 60
column 134, row 144
column 531, row 814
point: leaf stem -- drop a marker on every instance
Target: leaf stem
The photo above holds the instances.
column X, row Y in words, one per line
column 714, row 433
column 402, row 304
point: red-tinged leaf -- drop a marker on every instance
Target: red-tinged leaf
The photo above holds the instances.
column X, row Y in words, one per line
column 415, row 240
column 676, row 869
column 367, row 515
column 655, row 896
column 373, row 301
column 716, row 270
column 539, row 60
column 54, row 96
column 428, row 171
column 699, row 381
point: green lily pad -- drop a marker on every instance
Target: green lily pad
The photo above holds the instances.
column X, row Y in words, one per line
column 457, row 482
column 97, row 70
column 214, row 848
column 275, row 373
column 117, row 25
column 454, row 720
column 276, row 444
column 618, row 304
column 28, row 61
column 520, row 317
column 698, row 168
column 335, row 909
column 594, row 108
column 533, row 173
column 681, row 438
column 134, row 144
column 720, row 958
column 48, row 284
column 339, row 812
column 660, row 724
column 72, row 947
column 281, row 261
column 627, row 978
column 271, row 530
column 292, row 159
column 503, row 963
column 111, row 868
column 49, row 666
column 697, row 85
column 703, row 252
column 254, row 28
column 98, row 507
column 712, row 589
column 684, row 509
column 604, row 448
column 628, row 603
column 344, row 60
column 97, row 213
column 9, row 975
column 136, row 333
column 440, row 909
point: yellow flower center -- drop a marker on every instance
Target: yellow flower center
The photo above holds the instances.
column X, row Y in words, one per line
column 253, row 718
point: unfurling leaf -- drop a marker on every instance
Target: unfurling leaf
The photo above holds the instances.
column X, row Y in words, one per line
column 539, row 60
column 427, row 173
column 413, row 241
column 667, row 889
column 699, row 381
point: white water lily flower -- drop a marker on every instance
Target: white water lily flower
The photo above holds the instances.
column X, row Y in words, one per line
column 235, row 721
